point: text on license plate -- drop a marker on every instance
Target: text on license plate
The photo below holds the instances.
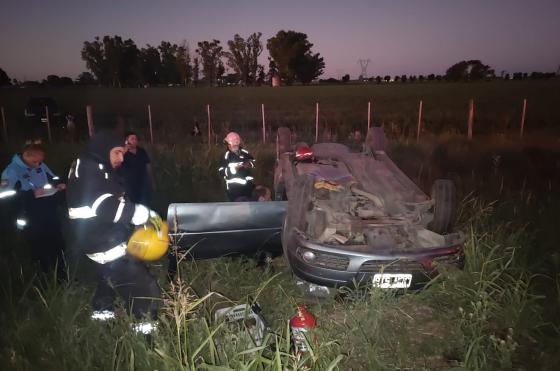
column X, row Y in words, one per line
column 392, row 280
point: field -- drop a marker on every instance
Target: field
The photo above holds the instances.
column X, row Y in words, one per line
column 501, row 312
column 498, row 107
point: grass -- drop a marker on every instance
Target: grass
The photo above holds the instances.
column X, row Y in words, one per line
column 486, row 316
column 497, row 108
column 500, row 312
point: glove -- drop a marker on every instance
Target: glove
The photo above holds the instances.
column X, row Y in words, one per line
column 141, row 214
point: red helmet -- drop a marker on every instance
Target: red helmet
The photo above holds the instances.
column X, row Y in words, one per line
column 304, row 154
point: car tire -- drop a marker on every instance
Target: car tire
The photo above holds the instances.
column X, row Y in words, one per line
column 444, row 195
column 375, row 139
column 283, row 141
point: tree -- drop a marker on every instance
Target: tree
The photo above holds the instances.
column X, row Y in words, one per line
column 291, row 52
column 404, row 78
column 261, row 76
column 309, row 68
column 113, row 61
column 85, row 78
column 243, row 57
column 65, row 81
column 183, row 61
column 169, row 72
column 150, row 65
column 378, row 79
column 210, row 53
column 4, row 79
column 272, row 70
column 469, row 70
column 196, row 71
column 346, row 78
column 387, row 78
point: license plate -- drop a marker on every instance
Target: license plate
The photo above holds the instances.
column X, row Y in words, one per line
column 392, row 280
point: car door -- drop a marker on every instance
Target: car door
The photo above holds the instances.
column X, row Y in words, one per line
column 210, row 230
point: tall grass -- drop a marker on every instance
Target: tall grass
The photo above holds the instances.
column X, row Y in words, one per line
column 499, row 312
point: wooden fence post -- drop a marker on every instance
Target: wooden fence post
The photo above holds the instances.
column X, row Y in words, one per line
column 419, row 129
column 368, row 115
column 49, row 135
column 89, row 113
column 316, row 122
column 209, row 126
column 264, row 124
column 4, row 125
column 150, row 122
column 471, row 119
column 523, row 118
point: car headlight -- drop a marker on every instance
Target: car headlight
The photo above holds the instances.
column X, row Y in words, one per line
column 308, row 256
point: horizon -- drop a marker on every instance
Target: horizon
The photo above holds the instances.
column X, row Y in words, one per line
column 398, row 38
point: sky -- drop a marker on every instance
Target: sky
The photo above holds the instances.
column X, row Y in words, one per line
column 38, row 38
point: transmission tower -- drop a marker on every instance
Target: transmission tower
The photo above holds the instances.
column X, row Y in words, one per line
column 364, row 64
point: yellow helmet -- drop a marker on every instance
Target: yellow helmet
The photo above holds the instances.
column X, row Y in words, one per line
column 146, row 243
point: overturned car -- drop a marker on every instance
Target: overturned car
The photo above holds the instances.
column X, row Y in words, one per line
column 341, row 218
column 355, row 217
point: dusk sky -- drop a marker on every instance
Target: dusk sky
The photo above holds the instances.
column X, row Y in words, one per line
column 38, row 38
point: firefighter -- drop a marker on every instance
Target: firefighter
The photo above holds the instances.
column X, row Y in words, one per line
column 103, row 218
column 236, row 169
column 34, row 188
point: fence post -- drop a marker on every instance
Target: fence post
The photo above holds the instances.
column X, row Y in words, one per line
column 49, row 136
column 471, row 119
column 209, row 126
column 419, row 129
column 4, row 125
column 523, row 118
column 150, row 122
column 264, row 124
column 368, row 115
column 316, row 122
column 89, row 113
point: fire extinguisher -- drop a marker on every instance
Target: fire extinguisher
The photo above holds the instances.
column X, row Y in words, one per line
column 300, row 323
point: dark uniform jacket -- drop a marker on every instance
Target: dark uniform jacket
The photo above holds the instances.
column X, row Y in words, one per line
column 234, row 176
column 97, row 204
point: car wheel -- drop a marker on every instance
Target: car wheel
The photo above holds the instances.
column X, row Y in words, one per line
column 283, row 141
column 375, row 139
column 444, row 196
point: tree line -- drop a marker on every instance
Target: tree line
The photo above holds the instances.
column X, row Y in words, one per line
column 115, row 62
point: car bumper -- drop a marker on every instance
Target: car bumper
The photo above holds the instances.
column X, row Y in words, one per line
column 335, row 267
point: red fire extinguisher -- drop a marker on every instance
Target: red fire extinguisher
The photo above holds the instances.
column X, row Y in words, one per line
column 300, row 323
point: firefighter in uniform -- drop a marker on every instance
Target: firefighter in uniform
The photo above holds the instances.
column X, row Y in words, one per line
column 236, row 168
column 33, row 186
column 103, row 218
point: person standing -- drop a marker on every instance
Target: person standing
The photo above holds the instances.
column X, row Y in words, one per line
column 102, row 217
column 35, row 186
column 235, row 168
column 136, row 171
